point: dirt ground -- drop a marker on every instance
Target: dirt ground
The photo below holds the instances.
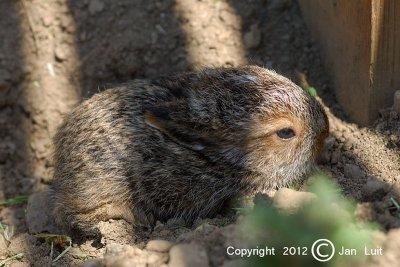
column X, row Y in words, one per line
column 54, row 54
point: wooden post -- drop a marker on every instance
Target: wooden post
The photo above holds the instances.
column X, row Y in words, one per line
column 360, row 41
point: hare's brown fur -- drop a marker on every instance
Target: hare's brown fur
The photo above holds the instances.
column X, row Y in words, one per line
column 181, row 146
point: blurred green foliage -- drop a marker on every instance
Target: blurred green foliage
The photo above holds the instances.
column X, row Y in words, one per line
column 330, row 216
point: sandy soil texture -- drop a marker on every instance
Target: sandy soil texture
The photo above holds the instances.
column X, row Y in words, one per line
column 54, row 54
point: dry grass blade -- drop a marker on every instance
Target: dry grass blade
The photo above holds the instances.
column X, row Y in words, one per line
column 6, row 231
column 14, row 201
column 60, row 240
column 396, row 204
column 15, row 257
column 63, row 252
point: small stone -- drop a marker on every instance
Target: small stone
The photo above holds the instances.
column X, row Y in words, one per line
column 60, row 53
column 38, row 213
column 352, row 171
column 291, row 200
column 374, row 190
column 95, row 6
column 396, row 102
column 159, row 245
column 252, row 38
column 188, row 255
column 47, row 19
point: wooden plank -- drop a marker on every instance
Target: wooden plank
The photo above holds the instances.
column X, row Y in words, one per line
column 360, row 44
column 385, row 53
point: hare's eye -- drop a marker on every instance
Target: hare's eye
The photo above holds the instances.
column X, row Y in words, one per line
column 285, row 133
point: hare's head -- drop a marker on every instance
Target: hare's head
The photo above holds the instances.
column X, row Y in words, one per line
column 287, row 129
column 250, row 118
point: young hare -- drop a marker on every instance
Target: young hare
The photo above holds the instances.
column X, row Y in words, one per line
column 182, row 146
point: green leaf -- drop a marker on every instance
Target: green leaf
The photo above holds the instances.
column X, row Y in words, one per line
column 312, row 91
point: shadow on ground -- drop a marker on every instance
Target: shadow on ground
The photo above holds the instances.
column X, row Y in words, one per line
column 124, row 40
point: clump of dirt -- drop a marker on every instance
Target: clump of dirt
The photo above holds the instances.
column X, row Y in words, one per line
column 55, row 53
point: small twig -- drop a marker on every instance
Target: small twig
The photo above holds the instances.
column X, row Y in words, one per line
column 397, row 206
column 31, row 27
column 302, row 79
column 304, row 84
column 63, row 252
column 16, row 256
column 8, row 233
column 395, row 203
column 51, row 250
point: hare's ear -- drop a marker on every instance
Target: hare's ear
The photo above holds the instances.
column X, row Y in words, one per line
column 157, row 118
column 167, row 121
